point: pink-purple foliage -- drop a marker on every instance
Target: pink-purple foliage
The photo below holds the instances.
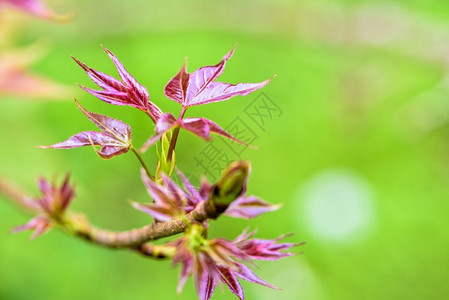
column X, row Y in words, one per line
column 170, row 200
column 50, row 206
column 115, row 137
column 212, row 261
column 116, row 92
column 200, row 88
column 175, row 208
column 37, row 8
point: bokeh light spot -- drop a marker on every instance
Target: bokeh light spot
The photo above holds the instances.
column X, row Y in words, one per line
column 337, row 205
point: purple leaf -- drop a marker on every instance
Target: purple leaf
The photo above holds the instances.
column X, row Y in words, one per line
column 261, row 249
column 55, row 198
column 228, row 277
column 194, row 196
column 199, row 126
column 169, row 199
column 66, row 193
column 160, row 213
column 40, row 225
column 204, row 76
column 200, row 88
column 116, row 92
column 245, row 235
column 45, row 203
column 173, row 191
column 104, row 81
column 219, row 91
column 115, row 137
column 36, row 8
column 164, row 124
column 203, row 128
column 176, row 88
column 218, row 259
column 158, row 192
column 247, row 274
column 186, row 270
column 85, row 138
column 222, row 250
column 204, row 277
column 185, row 257
column 249, row 207
column 205, row 188
column 53, row 202
column 17, row 79
column 180, row 88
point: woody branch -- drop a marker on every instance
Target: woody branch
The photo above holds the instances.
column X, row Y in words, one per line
column 134, row 239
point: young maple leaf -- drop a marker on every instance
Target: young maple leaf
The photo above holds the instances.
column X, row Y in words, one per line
column 169, row 201
column 200, row 88
column 36, row 8
column 116, row 92
column 199, row 126
column 212, row 261
column 196, row 89
column 52, row 204
column 261, row 249
column 115, row 137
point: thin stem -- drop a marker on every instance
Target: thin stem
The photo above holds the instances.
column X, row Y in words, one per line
column 175, row 136
column 11, row 192
column 172, row 144
column 77, row 224
column 142, row 162
column 151, row 116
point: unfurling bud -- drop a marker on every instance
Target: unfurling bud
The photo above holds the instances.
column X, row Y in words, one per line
column 51, row 206
column 231, row 185
column 164, row 165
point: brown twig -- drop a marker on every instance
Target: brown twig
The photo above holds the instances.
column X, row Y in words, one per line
column 138, row 236
column 13, row 193
column 134, row 239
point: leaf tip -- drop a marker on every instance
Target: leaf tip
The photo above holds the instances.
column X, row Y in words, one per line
column 277, row 206
column 133, row 203
column 83, row 110
column 108, row 52
column 80, row 63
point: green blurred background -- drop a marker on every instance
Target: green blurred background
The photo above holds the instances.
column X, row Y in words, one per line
column 358, row 151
